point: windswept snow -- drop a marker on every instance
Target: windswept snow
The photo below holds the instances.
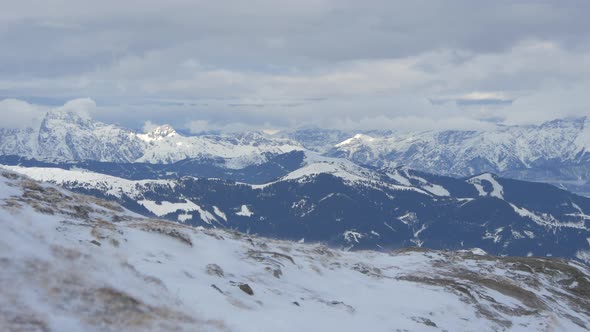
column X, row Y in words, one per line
column 114, row 271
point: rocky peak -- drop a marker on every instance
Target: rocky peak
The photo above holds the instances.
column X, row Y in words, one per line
column 162, row 132
column 68, row 117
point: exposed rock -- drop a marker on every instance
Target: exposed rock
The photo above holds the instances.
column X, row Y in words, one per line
column 246, row 289
column 214, row 269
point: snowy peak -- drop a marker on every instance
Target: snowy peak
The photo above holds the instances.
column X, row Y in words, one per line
column 69, row 117
column 67, row 136
column 574, row 122
column 71, row 136
column 504, row 149
column 356, row 139
column 159, row 133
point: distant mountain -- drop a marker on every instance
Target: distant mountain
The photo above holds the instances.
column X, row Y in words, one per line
column 316, row 139
column 76, row 263
column 275, row 166
column 336, row 202
column 356, row 195
column 556, row 152
column 70, row 137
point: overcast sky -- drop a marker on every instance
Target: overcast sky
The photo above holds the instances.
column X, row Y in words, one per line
column 234, row 65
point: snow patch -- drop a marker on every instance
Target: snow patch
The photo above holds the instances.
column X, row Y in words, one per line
column 497, row 189
column 395, row 175
column 546, row 220
column 219, row 213
column 352, row 236
column 165, row 208
column 245, row 211
column 584, row 256
column 184, row 217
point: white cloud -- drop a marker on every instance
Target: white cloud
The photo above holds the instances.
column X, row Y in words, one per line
column 313, row 62
column 149, row 126
column 199, row 126
column 19, row 114
column 82, row 106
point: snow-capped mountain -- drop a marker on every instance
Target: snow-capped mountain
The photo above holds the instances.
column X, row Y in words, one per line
column 67, row 136
column 76, row 263
column 555, row 151
column 316, row 139
column 341, row 204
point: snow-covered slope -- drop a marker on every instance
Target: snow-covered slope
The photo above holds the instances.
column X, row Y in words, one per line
column 66, row 136
column 236, row 151
column 472, row 152
column 111, row 185
column 344, row 205
column 76, row 263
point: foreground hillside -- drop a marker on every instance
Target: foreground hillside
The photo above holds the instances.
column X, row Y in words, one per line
column 73, row 262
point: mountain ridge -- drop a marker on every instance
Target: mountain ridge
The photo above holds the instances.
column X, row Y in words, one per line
column 65, row 136
column 344, row 205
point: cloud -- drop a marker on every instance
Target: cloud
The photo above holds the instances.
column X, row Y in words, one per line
column 19, row 114
column 149, row 126
column 199, row 126
column 82, row 106
column 475, row 99
column 229, row 64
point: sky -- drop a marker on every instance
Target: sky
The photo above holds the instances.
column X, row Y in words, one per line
column 257, row 64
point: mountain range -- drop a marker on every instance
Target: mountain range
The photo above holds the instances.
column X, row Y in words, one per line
column 300, row 186
column 554, row 152
column 341, row 204
column 68, row 137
